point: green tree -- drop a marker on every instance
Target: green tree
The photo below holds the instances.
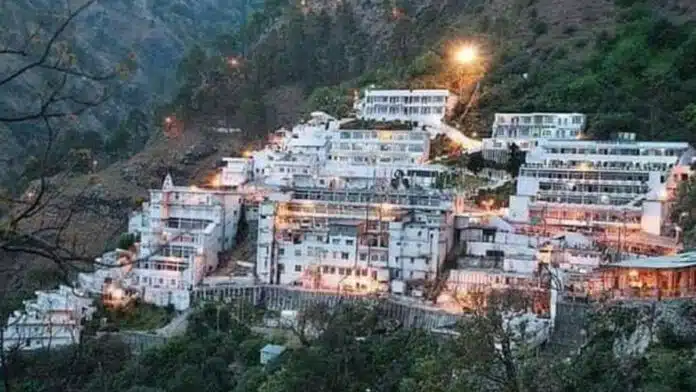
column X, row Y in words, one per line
column 515, row 160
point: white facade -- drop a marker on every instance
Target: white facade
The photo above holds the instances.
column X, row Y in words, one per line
column 53, row 319
column 527, row 129
column 364, row 146
column 182, row 230
column 605, row 185
column 236, row 171
column 422, row 106
column 325, row 152
column 358, row 240
column 113, row 266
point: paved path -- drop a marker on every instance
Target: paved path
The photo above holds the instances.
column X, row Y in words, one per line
column 175, row 327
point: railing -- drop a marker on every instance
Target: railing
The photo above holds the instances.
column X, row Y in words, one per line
column 637, row 294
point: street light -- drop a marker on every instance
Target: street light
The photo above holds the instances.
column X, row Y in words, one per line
column 232, row 62
column 466, row 54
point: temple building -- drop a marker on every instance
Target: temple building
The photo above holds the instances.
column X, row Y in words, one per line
column 654, row 278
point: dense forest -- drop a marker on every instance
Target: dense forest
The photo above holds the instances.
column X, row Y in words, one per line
column 356, row 351
column 638, row 77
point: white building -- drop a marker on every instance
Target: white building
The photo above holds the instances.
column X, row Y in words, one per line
column 606, row 186
column 53, row 319
column 235, row 172
column 112, row 266
column 422, row 106
column 397, row 145
column 352, row 239
column 324, row 152
column 491, row 255
column 182, row 230
column 527, row 129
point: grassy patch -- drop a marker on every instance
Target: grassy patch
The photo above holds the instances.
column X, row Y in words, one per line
column 136, row 316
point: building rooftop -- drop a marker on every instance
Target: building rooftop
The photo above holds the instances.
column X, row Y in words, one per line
column 405, row 91
column 374, row 125
column 273, row 349
column 412, row 196
column 682, row 260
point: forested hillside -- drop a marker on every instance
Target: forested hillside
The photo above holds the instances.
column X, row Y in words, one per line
column 356, row 351
column 627, row 64
column 152, row 36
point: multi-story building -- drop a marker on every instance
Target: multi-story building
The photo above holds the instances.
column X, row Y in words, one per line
column 396, row 145
column 352, row 239
column 527, row 129
column 423, row 106
column 324, row 152
column 182, row 230
column 53, row 319
column 614, row 186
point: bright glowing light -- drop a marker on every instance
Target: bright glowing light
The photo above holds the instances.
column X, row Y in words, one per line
column 466, row 55
column 662, row 195
column 215, row 181
column 168, row 120
column 246, row 154
column 232, row 62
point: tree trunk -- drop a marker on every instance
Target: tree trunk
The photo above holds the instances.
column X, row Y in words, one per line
column 3, row 361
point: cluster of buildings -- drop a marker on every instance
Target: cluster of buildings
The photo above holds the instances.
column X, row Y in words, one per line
column 54, row 318
column 355, row 205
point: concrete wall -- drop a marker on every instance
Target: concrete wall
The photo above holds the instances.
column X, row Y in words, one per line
column 570, row 323
column 411, row 315
column 138, row 342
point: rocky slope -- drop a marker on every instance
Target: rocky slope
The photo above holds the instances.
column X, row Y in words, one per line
column 154, row 33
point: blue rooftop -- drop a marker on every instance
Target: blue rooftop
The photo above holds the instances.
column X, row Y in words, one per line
column 273, row 349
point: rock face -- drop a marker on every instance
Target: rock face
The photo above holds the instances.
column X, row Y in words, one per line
column 637, row 325
column 155, row 34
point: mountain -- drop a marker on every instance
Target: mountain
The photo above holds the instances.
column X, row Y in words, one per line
column 153, row 34
column 628, row 64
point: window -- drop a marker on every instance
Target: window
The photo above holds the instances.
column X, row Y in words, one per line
column 298, row 268
column 341, row 271
column 345, row 255
column 281, row 251
column 349, row 242
column 335, row 241
column 298, row 252
column 363, row 256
